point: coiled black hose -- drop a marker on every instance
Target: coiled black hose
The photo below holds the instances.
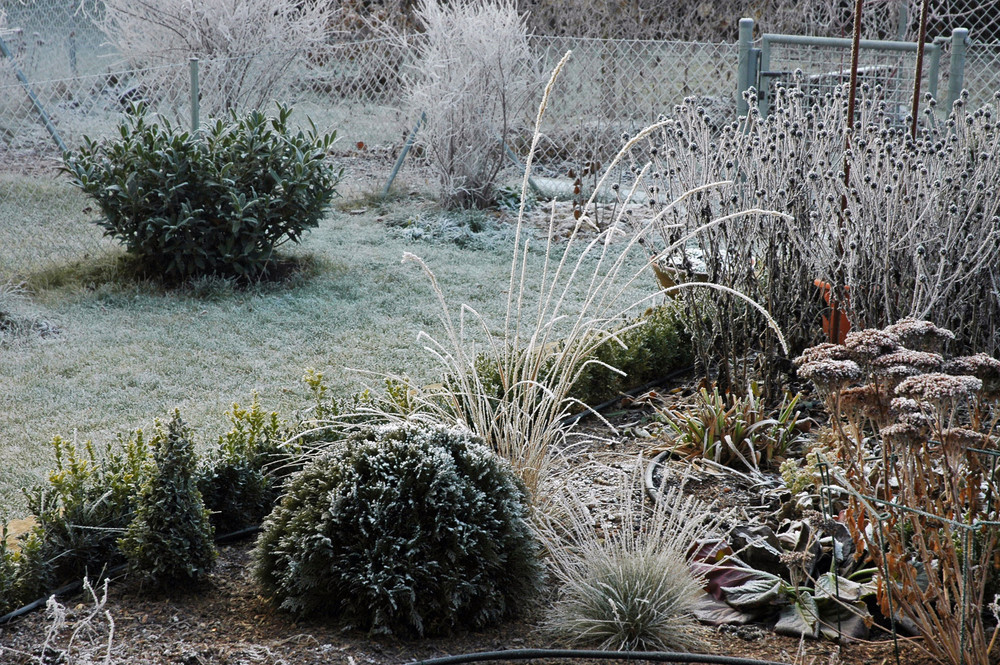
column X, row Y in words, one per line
column 652, row 656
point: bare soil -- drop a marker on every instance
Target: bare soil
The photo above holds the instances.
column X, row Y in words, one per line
column 227, row 621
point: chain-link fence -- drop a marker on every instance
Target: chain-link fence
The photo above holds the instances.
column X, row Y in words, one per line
column 60, row 83
column 56, row 39
column 820, row 65
column 609, row 88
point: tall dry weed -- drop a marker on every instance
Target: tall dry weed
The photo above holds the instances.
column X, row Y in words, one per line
column 509, row 380
column 914, row 232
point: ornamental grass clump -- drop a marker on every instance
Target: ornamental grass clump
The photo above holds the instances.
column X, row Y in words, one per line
column 627, row 585
column 409, row 530
column 511, row 381
column 917, row 441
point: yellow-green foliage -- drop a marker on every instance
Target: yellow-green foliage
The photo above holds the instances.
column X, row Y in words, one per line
column 240, row 479
column 85, row 504
column 647, row 348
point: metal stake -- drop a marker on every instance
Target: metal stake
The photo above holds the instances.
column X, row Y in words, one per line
column 195, row 97
column 33, row 97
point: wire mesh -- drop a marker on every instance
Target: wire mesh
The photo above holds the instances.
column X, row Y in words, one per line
column 615, row 87
column 822, row 67
column 982, row 73
column 55, row 39
column 981, row 17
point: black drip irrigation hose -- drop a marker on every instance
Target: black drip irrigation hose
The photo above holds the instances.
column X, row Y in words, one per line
column 649, row 656
column 75, row 587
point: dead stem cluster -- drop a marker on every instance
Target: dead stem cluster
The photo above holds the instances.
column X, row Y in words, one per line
column 473, row 76
column 227, row 37
column 913, row 233
column 917, row 460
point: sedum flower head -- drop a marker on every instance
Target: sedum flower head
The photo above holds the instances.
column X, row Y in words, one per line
column 904, row 433
column 824, row 351
column 921, row 335
column 962, row 438
column 980, row 365
column 866, row 345
column 830, row 375
column 922, row 361
column 938, row 387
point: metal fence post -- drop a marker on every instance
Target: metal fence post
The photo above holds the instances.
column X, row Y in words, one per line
column 903, row 22
column 402, row 155
column 35, row 101
column 743, row 70
column 195, row 97
column 956, row 73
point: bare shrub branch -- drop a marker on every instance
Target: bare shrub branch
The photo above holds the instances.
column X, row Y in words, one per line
column 228, row 36
column 473, row 77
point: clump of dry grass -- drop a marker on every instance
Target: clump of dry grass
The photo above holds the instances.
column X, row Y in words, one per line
column 627, row 585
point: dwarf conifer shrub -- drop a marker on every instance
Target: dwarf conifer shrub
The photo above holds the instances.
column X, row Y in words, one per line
column 218, row 202
column 170, row 538
column 648, row 348
column 407, row 530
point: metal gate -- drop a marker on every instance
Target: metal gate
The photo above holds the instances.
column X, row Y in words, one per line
column 820, row 64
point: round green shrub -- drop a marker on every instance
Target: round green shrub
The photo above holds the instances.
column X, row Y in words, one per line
column 215, row 202
column 408, row 530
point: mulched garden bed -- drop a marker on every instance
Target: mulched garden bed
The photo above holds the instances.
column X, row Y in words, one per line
column 227, row 621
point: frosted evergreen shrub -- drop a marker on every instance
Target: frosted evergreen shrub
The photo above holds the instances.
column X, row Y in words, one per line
column 408, row 530
column 170, row 540
column 214, row 203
